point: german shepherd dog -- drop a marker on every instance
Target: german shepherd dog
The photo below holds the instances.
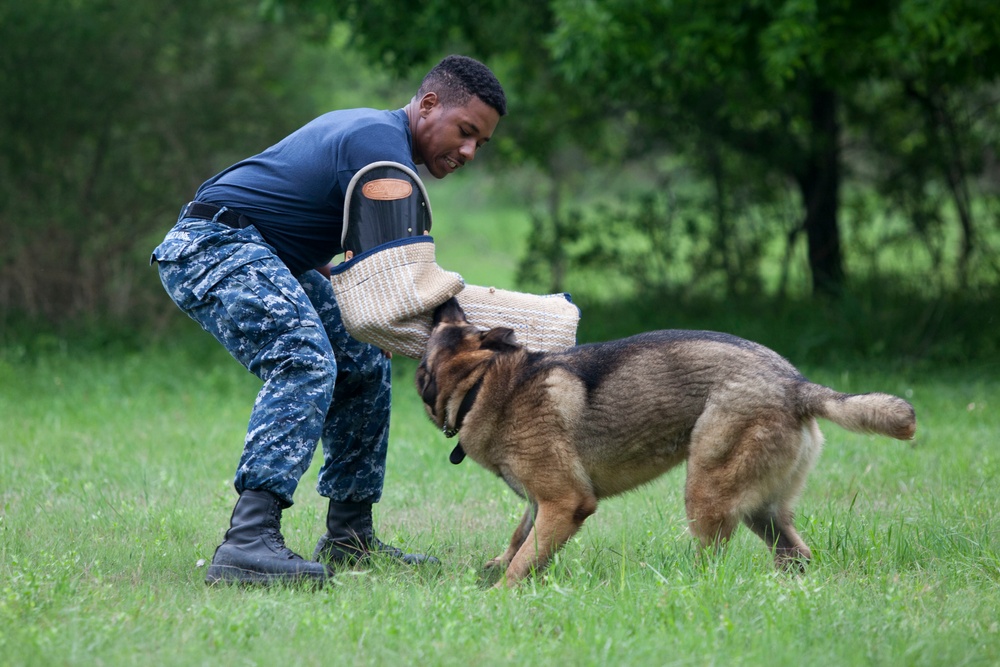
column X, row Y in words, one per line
column 566, row 429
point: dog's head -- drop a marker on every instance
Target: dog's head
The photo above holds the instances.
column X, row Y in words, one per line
column 455, row 359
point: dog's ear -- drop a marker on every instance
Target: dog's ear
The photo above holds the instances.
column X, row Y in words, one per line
column 449, row 312
column 500, row 339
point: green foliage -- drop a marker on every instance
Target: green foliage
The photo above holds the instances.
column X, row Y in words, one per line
column 768, row 79
column 547, row 116
column 671, row 240
column 665, row 232
column 881, row 117
column 113, row 113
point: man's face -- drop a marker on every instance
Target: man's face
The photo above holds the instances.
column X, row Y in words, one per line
column 445, row 138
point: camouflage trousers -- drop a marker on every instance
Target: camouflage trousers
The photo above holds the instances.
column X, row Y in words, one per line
column 319, row 382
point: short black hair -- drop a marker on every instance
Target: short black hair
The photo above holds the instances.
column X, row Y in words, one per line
column 456, row 78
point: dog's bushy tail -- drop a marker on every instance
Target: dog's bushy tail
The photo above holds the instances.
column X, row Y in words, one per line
column 863, row 413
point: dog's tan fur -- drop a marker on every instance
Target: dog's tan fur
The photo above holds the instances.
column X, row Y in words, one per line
column 569, row 428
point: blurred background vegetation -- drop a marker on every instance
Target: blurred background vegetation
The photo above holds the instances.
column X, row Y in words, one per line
column 823, row 177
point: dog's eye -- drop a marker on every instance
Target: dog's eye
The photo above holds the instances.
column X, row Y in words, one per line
column 428, row 390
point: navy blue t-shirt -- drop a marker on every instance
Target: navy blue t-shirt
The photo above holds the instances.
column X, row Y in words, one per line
column 294, row 191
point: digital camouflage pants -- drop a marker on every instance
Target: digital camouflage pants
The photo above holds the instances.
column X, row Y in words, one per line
column 319, row 382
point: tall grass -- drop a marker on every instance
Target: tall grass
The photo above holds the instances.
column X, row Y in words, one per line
column 116, row 460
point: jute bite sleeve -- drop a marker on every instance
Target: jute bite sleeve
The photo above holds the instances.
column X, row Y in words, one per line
column 387, row 296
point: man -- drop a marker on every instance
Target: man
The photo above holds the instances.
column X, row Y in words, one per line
column 242, row 261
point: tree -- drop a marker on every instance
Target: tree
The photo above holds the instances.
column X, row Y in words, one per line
column 771, row 79
column 784, row 84
column 113, row 112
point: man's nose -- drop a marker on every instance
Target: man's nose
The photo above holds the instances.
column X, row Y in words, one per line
column 468, row 150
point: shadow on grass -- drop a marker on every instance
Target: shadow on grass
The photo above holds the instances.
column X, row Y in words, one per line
column 884, row 326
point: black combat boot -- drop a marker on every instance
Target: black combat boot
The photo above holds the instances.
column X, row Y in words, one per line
column 254, row 551
column 350, row 538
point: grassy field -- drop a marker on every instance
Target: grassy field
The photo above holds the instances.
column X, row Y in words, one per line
column 115, row 486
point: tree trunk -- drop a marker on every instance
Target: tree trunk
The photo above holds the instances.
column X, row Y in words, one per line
column 945, row 135
column 819, row 181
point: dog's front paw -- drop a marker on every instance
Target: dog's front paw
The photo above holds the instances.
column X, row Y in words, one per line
column 492, row 572
column 497, row 563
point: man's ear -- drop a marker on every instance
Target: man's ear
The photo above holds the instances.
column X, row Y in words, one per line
column 428, row 102
column 500, row 339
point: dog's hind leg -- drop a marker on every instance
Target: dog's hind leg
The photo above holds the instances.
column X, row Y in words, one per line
column 557, row 521
column 773, row 520
column 755, row 478
column 711, row 523
column 775, row 527
column 711, row 494
column 520, row 535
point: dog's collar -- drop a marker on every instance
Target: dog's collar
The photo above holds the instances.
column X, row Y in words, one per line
column 467, row 402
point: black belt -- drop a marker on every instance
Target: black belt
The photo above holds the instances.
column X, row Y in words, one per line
column 203, row 211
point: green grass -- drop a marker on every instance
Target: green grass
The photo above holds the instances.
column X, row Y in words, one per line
column 115, row 471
